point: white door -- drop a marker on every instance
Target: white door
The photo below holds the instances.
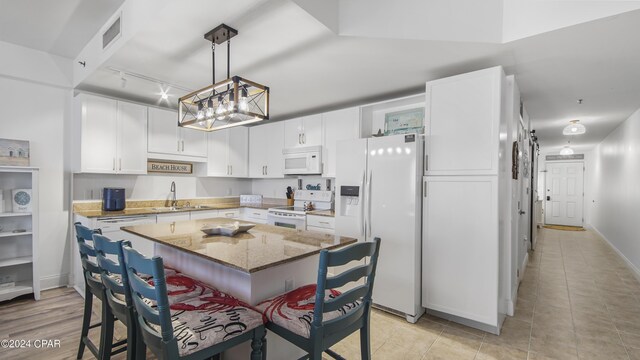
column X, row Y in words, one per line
column 132, row 138
column 337, row 125
column 238, row 143
column 293, row 133
column 258, row 150
column 275, row 161
column 393, row 213
column 193, row 142
column 312, row 130
column 564, row 197
column 218, row 159
column 163, row 132
column 99, row 129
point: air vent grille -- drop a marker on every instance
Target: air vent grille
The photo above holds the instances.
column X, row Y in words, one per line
column 111, row 34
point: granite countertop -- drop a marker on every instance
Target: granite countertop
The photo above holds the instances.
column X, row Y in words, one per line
column 93, row 213
column 328, row 213
column 260, row 248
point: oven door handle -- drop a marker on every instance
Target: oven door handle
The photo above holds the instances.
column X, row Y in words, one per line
column 295, row 217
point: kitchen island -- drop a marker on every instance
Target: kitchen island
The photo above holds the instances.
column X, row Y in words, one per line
column 252, row 266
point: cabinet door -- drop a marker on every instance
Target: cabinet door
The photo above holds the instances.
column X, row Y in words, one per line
column 275, row 140
column 132, row 138
column 259, row 150
column 462, row 123
column 204, row 214
column 238, row 147
column 218, row 159
column 312, row 130
column 163, row 132
column 460, row 252
column 293, row 133
column 169, row 218
column 337, row 125
column 99, row 129
column 193, row 142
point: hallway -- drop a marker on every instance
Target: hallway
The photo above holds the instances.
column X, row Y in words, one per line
column 577, row 301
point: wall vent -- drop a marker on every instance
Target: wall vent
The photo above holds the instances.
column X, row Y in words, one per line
column 112, row 33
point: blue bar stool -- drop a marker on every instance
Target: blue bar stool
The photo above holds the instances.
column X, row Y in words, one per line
column 316, row 317
column 93, row 287
column 196, row 328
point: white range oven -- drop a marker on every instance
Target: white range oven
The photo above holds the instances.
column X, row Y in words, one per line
column 295, row 217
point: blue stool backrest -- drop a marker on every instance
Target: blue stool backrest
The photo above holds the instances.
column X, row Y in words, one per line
column 160, row 314
column 87, row 252
column 360, row 293
column 104, row 247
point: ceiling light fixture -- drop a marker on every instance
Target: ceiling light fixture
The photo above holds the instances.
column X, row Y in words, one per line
column 215, row 107
column 566, row 150
column 575, row 128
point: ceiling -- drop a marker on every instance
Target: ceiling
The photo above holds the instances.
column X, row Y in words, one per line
column 311, row 67
column 60, row 27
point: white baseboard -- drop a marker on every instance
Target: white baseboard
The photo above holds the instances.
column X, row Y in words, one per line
column 630, row 265
column 54, row 281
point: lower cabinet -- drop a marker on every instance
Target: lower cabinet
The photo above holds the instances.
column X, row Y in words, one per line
column 178, row 216
column 255, row 215
column 204, row 214
column 324, row 224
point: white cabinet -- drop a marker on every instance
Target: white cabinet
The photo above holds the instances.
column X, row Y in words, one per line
column 228, row 152
column 265, row 150
column 173, row 217
column 303, row 131
column 229, row 213
column 19, row 261
column 112, row 136
column 462, row 123
column 255, row 215
column 460, row 254
column 168, row 141
column 204, row 214
column 337, row 125
column 324, row 224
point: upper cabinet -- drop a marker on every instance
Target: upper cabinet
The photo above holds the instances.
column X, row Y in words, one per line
column 303, row 131
column 265, row 150
column 168, row 141
column 337, row 125
column 228, row 152
column 463, row 115
column 112, row 136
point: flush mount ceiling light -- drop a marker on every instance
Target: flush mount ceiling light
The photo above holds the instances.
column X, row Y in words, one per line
column 566, row 150
column 231, row 102
column 575, row 128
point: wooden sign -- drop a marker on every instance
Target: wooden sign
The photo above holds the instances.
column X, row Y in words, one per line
column 169, row 167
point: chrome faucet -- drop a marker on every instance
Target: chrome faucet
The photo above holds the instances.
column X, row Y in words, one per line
column 174, row 202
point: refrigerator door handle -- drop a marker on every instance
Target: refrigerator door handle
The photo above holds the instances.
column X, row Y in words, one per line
column 363, row 222
column 369, row 200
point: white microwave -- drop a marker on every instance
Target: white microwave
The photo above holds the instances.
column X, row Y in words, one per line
column 303, row 160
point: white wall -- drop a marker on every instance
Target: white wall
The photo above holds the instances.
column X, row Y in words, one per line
column 147, row 187
column 35, row 99
column 614, row 201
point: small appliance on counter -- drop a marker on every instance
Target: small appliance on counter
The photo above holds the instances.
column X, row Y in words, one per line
column 113, row 199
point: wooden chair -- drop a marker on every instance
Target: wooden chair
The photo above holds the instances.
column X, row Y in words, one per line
column 316, row 317
column 118, row 294
column 93, row 287
column 198, row 328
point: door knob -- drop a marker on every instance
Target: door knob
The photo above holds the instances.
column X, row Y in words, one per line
column 522, row 212
column 548, row 198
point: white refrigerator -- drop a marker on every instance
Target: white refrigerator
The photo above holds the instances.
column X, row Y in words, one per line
column 378, row 194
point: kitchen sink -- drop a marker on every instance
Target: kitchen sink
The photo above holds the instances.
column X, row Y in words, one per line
column 182, row 208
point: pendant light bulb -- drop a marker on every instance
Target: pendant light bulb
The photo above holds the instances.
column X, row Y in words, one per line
column 574, row 128
column 209, row 109
column 220, row 110
column 243, row 104
column 566, row 150
column 200, row 113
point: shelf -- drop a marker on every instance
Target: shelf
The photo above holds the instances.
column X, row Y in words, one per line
column 9, row 233
column 14, row 214
column 21, row 288
column 16, row 261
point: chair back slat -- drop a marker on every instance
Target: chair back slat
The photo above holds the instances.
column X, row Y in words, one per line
column 360, row 296
column 104, row 247
column 351, row 253
column 137, row 264
column 87, row 251
column 346, row 277
column 346, row 298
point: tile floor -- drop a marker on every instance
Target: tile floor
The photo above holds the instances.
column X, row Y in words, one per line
column 577, row 301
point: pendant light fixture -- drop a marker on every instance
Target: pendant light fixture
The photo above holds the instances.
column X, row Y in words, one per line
column 574, row 128
column 566, row 150
column 232, row 102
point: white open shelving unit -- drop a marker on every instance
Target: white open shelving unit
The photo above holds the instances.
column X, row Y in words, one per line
column 18, row 250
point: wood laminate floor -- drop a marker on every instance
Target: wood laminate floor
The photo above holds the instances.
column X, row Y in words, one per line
column 577, row 300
